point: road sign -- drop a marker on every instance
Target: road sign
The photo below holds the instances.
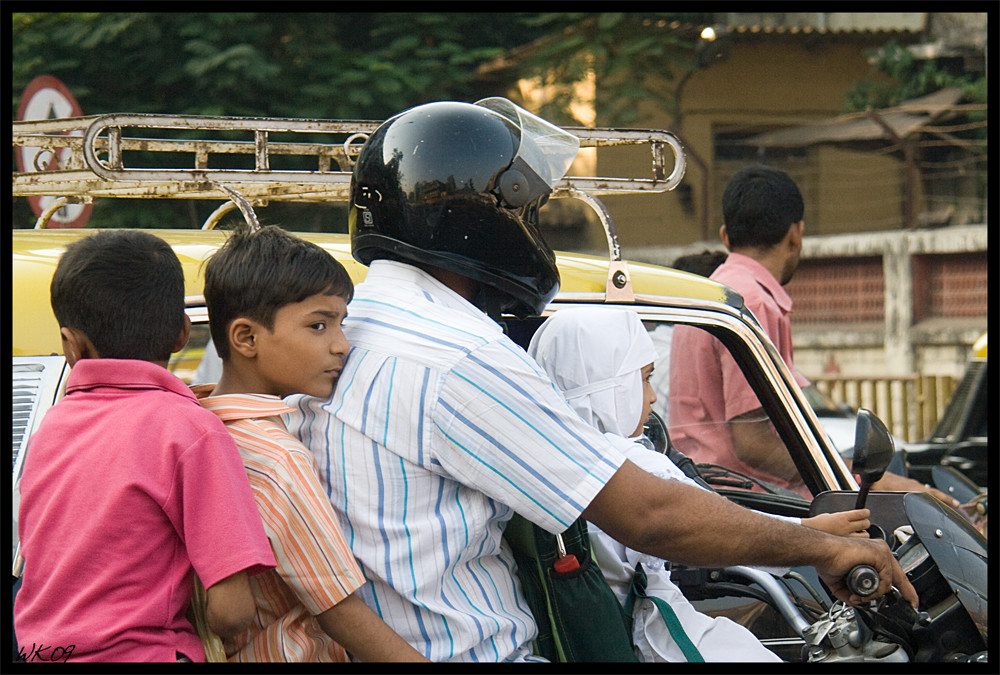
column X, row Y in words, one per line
column 45, row 97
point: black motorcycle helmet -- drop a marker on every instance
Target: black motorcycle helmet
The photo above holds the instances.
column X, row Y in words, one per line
column 458, row 186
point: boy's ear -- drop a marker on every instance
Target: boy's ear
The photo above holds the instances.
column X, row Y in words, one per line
column 242, row 337
column 182, row 339
column 76, row 345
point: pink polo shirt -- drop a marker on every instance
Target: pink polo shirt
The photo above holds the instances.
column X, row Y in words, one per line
column 766, row 298
column 129, row 486
column 707, row 387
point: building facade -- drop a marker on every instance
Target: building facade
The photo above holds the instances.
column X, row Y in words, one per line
column 893, row 279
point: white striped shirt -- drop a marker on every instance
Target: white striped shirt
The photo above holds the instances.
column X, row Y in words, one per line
column 439, row 427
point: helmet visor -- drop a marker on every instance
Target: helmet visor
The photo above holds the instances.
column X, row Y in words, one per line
column 547, row 149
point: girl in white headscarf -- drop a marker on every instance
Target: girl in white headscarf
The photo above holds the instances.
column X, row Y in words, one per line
column 602, row 359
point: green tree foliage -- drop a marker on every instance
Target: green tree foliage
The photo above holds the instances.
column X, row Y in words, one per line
column 333, row 65
column 330, row 65
column 625, row 51
column 897, row 75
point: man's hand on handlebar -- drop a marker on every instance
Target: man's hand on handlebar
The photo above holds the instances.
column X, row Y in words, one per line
column 852, row 552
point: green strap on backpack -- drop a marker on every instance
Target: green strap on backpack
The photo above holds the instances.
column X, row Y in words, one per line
column 578, row 615
column 638, row 590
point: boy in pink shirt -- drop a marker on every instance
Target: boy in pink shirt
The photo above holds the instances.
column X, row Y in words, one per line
column 129, row 487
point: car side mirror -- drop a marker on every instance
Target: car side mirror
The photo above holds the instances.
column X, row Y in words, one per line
column 873, row 450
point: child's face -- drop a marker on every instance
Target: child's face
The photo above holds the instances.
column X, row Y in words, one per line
column 648, row 397
column 305, row 352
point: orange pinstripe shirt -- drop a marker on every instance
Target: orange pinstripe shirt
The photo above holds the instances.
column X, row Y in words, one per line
column 316, row 568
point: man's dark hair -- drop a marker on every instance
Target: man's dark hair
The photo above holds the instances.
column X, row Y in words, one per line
column 759, row 204
column 703, row 263
column 257, row 272
column 124, row 289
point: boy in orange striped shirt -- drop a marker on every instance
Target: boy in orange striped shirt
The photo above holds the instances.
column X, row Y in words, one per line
column 275, row 305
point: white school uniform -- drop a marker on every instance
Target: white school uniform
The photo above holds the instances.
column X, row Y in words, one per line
column 595, row 356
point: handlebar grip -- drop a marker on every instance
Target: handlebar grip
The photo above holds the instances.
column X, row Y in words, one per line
column 862, row 580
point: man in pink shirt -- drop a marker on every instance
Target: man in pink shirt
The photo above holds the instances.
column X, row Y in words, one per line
column 129, row 486
column 715, row 417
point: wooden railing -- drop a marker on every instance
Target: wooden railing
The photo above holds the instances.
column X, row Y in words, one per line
column 909, row 406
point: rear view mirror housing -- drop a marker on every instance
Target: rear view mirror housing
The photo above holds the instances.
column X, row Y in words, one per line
column 873, row 450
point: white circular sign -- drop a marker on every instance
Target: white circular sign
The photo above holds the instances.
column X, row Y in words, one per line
column 45, row 98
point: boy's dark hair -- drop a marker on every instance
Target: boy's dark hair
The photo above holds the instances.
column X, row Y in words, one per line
column 759, row 204
column 703, row 263
column 124, row 289
column 257, row 272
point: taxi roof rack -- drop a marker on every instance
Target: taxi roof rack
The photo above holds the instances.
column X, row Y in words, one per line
column 78, row 159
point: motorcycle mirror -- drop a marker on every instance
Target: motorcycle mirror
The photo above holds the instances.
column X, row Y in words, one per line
column 873, row 450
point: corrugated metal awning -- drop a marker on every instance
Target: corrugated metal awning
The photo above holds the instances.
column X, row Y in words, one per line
column 904, row 120
column 824, row 23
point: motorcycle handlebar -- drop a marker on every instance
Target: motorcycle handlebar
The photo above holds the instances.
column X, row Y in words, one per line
column 862, row 580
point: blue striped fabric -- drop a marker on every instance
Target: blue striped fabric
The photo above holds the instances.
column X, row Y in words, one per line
column 439, row 427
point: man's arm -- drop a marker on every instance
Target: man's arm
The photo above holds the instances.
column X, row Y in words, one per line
column 895, row 483
column 756, row 443
column 696, row 527
column 230, row 607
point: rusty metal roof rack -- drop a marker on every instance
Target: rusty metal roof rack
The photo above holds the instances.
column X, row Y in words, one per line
column 91, row 158
column 79, row 159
